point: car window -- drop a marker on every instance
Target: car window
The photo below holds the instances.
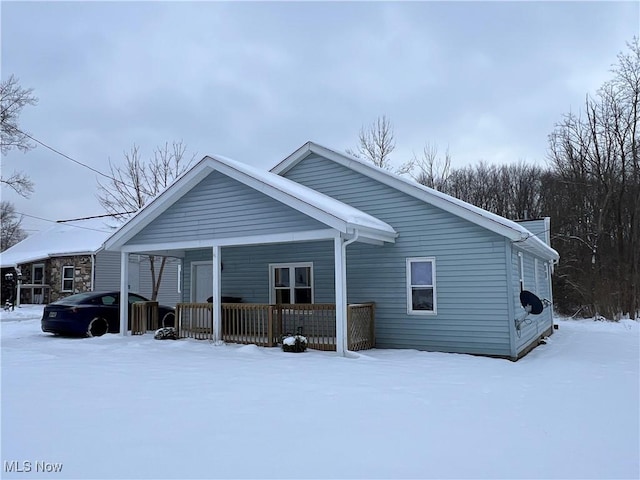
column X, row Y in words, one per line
column 108, row 300
column 77, row 299
column 136, row 298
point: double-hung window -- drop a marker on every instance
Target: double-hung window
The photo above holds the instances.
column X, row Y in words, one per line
column 421, row 286
column 291, row 283
column 67, row 278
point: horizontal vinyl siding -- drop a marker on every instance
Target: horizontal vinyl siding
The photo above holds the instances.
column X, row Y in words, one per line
column 471, row 275
column 201, row 255
column 245, row 270
column 220, row 207
column 535, row 325
column 168, row 291
column 539, row 228
column 107, row 271
column 107, row 276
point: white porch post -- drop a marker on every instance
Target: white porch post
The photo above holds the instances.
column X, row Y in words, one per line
column 124, row 293
column 217, row 292
column 341, row 295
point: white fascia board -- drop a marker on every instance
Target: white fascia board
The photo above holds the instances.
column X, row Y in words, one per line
column 464, row 210
column 38, row 258
column 376, row 236
column 536, row 246
column 157, row 205
column 293, row 159
column 15, row 262
column 72, row 254
column 305, row 236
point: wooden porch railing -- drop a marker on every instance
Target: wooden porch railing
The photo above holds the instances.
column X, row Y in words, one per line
column 248, row 323
column 194, row 320
column 361, row 334
column 144, row 317
column 265, row 325
column 317, row 322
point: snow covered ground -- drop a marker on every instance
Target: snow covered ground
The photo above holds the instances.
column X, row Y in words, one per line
column 135, row 407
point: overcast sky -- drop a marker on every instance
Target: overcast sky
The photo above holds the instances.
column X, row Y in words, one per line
column 254, row 81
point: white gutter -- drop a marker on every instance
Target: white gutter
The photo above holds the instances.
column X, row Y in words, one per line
column 351, row 240
column 343, row 337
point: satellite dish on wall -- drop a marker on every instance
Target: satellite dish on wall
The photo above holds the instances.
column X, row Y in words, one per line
column 532, row 306
column 531, row 303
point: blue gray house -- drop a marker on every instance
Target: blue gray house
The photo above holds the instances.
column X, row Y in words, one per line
column 328, row 233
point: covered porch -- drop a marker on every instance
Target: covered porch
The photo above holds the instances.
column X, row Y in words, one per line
column 249, row 228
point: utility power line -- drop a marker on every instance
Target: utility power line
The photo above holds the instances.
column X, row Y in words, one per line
column 71, row 220
column 49, row 147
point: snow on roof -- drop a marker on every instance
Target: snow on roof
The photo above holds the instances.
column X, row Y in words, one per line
column 502, row 225
column 341, row 211
column 317, row 205
column 61, row 239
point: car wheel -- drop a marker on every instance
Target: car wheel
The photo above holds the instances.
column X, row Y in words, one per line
column 169, row 320
column 97, row 327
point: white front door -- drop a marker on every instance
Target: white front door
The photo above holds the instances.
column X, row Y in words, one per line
column 202, row 288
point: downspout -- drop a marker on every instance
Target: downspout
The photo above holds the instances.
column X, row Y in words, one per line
column 351, row 240
column 344, row 290
column 511, row 311
column 93, row 272
column 19, row 280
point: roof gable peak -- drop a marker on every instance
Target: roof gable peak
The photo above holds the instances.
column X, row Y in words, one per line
column 479, row 216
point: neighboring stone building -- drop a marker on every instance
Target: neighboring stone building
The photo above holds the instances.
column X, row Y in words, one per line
column 67, row 258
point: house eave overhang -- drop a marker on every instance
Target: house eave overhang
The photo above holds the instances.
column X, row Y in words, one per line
column 483, row 218
column 43, row 258
column 536, row 246
column 371, row 235
column 21, row 261
column 336, row 215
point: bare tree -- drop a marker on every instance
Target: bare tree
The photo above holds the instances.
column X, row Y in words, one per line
column 13, row 98
column 376, row 143
column 138, row 181
column 595, row 155
column 11, row 231
column 432, row 169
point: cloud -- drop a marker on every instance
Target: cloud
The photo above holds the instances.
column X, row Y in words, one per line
column 253, row 81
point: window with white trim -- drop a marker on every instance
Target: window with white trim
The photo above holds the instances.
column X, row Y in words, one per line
column 291, row 283
column 421, row 286
column 67, row 278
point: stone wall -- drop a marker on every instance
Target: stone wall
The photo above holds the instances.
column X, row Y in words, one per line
column 53, row 277
column 31, row 295
column 81, row 277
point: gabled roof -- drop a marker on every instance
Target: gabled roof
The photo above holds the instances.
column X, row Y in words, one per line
column 82, row 237
column 323, row 208
column 490, row 221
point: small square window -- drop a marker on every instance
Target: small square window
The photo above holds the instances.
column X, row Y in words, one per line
column 68, row 273
column 421, row 286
